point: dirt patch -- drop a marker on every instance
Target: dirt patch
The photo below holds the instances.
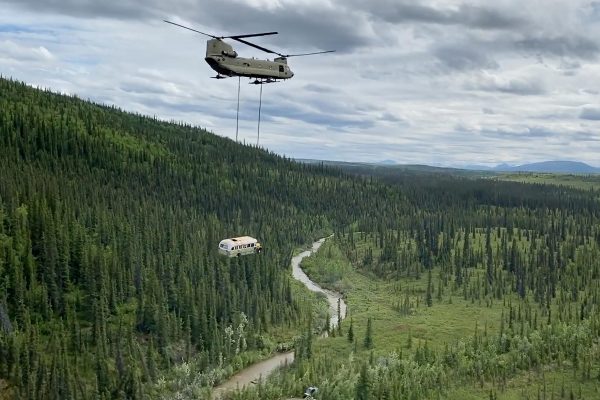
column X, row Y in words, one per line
column 401, row 328
column 406, row 328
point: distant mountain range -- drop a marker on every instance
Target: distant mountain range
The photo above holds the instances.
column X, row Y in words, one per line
column 556, row 167
column 387, row 162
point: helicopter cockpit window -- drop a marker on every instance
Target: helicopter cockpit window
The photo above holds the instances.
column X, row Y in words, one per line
column 281, row 68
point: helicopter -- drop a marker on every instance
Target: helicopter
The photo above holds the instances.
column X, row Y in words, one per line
column 225, row 61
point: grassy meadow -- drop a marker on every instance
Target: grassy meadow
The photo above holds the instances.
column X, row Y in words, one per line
column 575, row 181
column 451, row 318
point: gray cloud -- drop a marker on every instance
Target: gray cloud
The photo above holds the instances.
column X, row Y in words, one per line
column 330, row 116
column 467, row 15
column 145, row 87
column 530, row 133
column 319, row 88
column 123, row 9
column 518, row 86
column 159, row 103
column 305, row 26
column 562, row 46
column 594, row 14
column 587, row 136
column 301, row 26
column 341, row 26
column 11, row 49
column 590, row 113
column 389, row 117
column 462, row 58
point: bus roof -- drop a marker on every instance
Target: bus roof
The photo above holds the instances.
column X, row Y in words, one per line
column 240, row 239
column 243, row 239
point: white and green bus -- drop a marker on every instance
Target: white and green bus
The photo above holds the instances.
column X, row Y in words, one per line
column 239, row 246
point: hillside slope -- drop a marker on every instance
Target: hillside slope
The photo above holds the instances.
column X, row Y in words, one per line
column 109, row 223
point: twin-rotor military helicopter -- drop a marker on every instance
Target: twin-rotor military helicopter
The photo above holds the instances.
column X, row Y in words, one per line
column 225, row 61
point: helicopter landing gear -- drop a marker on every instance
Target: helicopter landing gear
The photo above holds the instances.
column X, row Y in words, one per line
column 263, row 81
column 218, row 77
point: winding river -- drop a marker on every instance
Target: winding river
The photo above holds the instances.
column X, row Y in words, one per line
column 252, row 374
column 332, row 297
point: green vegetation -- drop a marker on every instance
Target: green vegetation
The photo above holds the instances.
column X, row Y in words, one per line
column 584, row 182
column 111, row 286
column 109, row 222
column 462, row 347
column 514, row 293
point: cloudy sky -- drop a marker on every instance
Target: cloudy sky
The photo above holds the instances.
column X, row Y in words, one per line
column 442, row 82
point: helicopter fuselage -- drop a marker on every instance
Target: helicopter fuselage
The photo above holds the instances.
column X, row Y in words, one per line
column 224, row 60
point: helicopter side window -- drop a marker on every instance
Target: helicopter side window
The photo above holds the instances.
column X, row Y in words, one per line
column 281, row 68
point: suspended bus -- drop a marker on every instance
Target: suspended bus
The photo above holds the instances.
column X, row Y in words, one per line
column 239, row 246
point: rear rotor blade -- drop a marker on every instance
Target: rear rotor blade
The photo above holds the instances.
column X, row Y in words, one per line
column 190, row 29
column 255, row 46
column 309, row 54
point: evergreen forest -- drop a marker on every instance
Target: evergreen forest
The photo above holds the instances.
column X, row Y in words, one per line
column 111, row 286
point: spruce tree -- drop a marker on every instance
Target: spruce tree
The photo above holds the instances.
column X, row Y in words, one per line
column 362, row 386
column 428, row 295
column 368, row 342
column 351, row 331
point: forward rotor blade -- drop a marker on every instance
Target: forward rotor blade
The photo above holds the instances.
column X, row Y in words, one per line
column 250, row 35
column 255, row 46
column 309, row 54
column 190, row 29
